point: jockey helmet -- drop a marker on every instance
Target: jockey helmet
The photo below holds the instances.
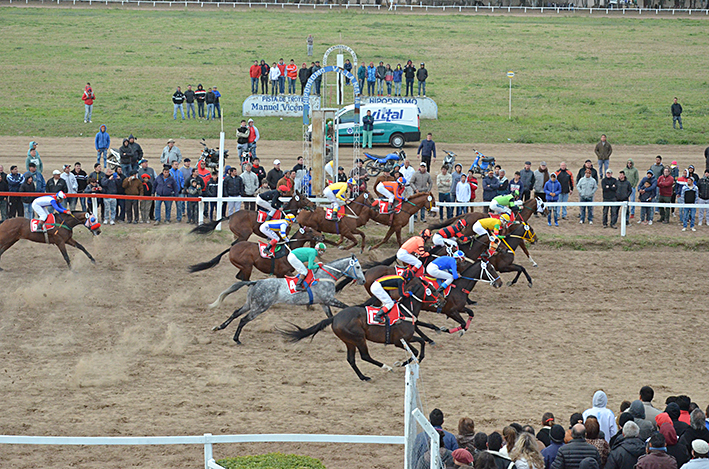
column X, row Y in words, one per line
column 401, row 180
column 425, row 233
column 408, row 275
column 61, row 195
column 290, row 217
column 320, row 247
column 459, row 255
column 516, row 193
column 505, row 218
column 352, row 182
column 462, row 223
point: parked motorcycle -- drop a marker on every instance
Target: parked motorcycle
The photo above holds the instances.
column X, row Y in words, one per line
column 449, row 159
column 211, row 155
column 482, row 164
column 377, row 164
column 113, row 159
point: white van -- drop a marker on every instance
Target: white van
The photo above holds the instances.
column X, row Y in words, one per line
column 395, row 123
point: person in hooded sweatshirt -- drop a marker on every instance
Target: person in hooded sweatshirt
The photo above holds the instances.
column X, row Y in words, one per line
column 672, row 410
column 627, row 448
column 637, row 410
column 605, row 416
column 679, row 452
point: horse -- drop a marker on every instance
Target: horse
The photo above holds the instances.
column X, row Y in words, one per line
column 244, row 222
column 457, row 298
column 14, row 229
column 529, row 208
column 356, row 215
column 245, row 255
column 350, row 326
column 272, row 291
column 397, row 221
column 503, row 259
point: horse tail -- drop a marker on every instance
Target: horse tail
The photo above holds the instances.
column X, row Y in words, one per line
column 207, row 265
column 206, row 228
column 343, row 283
column 231, row 290
column 444, row 223
column 387, row 261
column 298, row 334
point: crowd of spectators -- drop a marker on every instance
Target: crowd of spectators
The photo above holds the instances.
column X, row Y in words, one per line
column 380, row 79
column 641, row 437
column 188, row 98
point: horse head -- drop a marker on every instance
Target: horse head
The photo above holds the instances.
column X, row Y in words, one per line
column 426, row 200
column 540, row 205
column 484, row 271
column 356, row 267
column 309, row 234
column 92, row 223
column 299, row 201
column 527, row 232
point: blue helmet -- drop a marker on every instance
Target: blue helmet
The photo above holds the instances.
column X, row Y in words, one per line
column 401, row 180
column 459, row 255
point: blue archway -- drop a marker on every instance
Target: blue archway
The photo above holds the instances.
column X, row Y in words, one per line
column 314, row 76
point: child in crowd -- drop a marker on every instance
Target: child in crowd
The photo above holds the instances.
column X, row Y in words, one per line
column 193, row 190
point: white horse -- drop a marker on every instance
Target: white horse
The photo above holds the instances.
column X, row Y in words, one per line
column 271, row 291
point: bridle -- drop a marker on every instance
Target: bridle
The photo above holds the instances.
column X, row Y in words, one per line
column 350, row 271
column 485, row 275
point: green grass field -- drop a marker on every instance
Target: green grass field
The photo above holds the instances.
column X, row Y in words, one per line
column 576, row 77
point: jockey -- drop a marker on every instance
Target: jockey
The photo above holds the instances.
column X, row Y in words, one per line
column 379, row 288
column 270, row 201
column 412, row 249
column 53, row 201
column 298, row 256
column 446, row 236
column 392, row 189
column 276, row 230
column 445, row 270
column 491, row 228
column 506, row 203
column 336, row 193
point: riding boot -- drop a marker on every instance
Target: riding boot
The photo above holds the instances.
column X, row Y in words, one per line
column 300, row 286
column 40, row 225
column 273, row 246
column 381, row 313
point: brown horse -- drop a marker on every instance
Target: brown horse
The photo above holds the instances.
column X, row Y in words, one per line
column 456, row 301
column 15, row 229
column 244, row 255
column 530, row 207
column 356, row 214
column 396, row 222
column 244, row 222
column 350, row 326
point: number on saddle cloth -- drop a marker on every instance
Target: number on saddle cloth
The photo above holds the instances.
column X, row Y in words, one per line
column 48, row 224
column 264, row 250
column 262, row 216
column 333, row 215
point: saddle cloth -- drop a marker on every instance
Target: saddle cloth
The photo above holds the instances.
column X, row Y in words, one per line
column 333, row 215
column 384, row 209
column 48, row 225
column 293, row 281
column 400, row 270
column 395, row 315
column 432, row 284
column 262, row 216
column 264, row 249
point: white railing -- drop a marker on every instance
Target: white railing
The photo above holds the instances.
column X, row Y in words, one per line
column 418, row 7
column 412, row 404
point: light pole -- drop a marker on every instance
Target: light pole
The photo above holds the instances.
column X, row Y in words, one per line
column 510, row 75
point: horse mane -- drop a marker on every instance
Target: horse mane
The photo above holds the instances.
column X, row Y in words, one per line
column 444, row 223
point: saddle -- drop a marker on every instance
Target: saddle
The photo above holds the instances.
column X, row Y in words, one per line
column 400, row 271
column 333, row 215
column 309, row 282
column 262, row 215
column 395, row 315
column 432, row 285
column 264, row 249
column 48, row 224
column 387, row 209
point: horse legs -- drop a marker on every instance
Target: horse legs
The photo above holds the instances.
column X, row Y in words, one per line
column 386, row 238
column 364, row 237
column 72, row 242
column 62, row 249
column 6, row 247
column 244, row 321
column 328, row 311
column 520, row 270
column 424, row 336
column 423, row 347
column 351, row 349
column 526, row 251
column 233, row 316
column 351, row 237
column 364, row 355
column 413, row 349
column 336, row 303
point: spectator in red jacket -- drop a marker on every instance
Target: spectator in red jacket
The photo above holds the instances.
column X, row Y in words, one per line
column 473, row 181
column 665, row 184
column 292, row 75
column 255, row 74
column 88, row 99
column 282, row 77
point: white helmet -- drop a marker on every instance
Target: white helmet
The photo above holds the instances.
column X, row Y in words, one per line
column 61, row 195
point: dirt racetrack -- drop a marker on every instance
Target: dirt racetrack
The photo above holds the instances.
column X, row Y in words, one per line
column 124, row 347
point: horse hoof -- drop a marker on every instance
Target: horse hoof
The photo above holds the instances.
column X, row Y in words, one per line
column 535, row 265
column 387, row 368
column 509, row 284
column 461, row 333
column 432, row 343
column 365, row 378
column 444, row 330
column 215, row 328
column 399, row 364
column 238, row 342
column 529, row 284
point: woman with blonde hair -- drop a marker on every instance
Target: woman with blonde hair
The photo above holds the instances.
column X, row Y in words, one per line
column 525, row 453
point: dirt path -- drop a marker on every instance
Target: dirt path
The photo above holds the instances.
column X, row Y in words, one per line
column 125, row 348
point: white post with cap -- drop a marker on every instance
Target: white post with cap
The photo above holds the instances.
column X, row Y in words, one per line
column 220, row 176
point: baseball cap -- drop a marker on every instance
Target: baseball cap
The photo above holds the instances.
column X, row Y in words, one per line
column 171, row 141
column 56, row 171
column 543, row 163
column 422, row 164
column 527, row 162
column 276, row 162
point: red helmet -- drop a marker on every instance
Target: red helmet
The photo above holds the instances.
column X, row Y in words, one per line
column 462, row 223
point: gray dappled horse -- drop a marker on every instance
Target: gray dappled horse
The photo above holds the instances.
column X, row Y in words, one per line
column 272, row 291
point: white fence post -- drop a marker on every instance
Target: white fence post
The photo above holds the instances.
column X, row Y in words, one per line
column 433, row 435
column 411, row 401
column 623, row 212
column 94, row 207
column 207, row 449
column 200, row 207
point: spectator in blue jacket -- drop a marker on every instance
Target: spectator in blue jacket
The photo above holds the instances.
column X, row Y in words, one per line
column 102, row 143
column 179, row 188
column 490, row 186
column 422, row 442
column 647, row 189
column 165, row 186
column 690, row 194
column 371, row 78
column 552, row 190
